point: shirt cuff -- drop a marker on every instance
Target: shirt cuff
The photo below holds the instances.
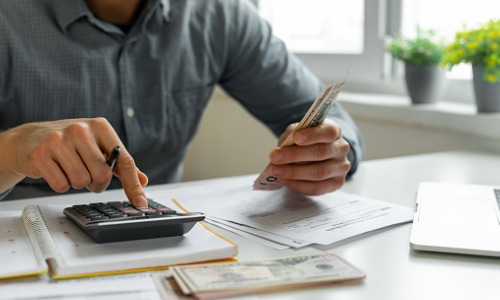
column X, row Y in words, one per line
column 353, row 156
column 351, row 134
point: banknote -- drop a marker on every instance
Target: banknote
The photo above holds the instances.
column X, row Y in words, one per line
column 167, row 287
column 314, row 116
column 212, row 281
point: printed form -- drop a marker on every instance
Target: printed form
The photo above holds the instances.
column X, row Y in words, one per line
column 285, row 217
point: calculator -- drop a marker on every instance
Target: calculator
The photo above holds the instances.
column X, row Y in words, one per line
column 120, row 221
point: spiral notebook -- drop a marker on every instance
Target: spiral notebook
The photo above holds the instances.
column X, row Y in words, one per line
column 43, row 240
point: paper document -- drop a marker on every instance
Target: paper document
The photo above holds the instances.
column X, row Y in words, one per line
column 254, row 236
column 284, row 215
column 123, row 287
column 17, row 256
column 291, row 242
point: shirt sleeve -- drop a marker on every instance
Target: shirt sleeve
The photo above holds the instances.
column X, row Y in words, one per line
column 4, row 194
column 273, row 84
column 4, row 57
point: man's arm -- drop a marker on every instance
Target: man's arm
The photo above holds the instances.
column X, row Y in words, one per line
column 278, row 89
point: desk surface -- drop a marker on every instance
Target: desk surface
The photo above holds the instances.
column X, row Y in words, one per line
column 393, row 270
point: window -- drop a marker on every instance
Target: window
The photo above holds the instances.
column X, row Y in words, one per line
column 320, row 30
column 331, row 36
column 447, row 17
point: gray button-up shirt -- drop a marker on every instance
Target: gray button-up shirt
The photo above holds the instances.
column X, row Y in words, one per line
column 152, row 83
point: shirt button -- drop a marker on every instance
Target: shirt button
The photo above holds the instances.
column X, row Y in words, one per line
column 130, row 112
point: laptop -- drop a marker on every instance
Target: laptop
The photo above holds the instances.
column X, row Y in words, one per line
column 457, row 218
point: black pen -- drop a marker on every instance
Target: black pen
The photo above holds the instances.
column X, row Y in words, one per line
column 113, row 157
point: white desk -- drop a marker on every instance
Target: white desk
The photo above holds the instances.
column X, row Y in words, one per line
column 393, row 270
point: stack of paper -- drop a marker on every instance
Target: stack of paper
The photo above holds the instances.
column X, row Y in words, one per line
column 283, row 219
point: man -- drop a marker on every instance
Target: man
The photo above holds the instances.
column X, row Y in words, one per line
column 79, row 77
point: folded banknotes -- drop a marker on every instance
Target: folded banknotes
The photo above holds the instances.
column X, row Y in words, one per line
column 215, row 281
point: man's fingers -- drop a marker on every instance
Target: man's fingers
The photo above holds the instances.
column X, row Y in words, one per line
column 54, row 175
column 311, row 172
column 125, row 169
column 95, row 162
column 143, row 178
column 71, row 163
column 327, row 132
column 313, row 187
column 72, row 153
column 131, row 179
column 311, row 153
column 316, row 163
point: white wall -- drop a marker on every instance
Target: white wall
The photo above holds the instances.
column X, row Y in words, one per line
column 394, row 127
column 231, row 142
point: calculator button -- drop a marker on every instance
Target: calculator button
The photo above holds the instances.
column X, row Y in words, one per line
column 125, row 208
column 114, row 216
column 154, row 204
column 132, row 212
column 167, row 211
column 161, row 208
column 100, row 217
column 80, row 206
column 149, row 211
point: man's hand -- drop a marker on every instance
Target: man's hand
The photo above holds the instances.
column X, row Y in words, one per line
column 316, row 164
column 69, row 153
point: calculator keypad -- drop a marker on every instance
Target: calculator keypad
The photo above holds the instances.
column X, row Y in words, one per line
column 112, row 211
column 120, row 221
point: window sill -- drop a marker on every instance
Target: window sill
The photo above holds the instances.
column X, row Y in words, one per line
column 460, row 118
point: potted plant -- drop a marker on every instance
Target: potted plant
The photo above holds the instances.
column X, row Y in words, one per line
column 481, row 48
column 422, row 56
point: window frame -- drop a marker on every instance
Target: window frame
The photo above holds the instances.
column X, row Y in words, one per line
column 386, row 74
column 330, row 67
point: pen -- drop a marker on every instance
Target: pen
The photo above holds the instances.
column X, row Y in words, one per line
column 113, row 157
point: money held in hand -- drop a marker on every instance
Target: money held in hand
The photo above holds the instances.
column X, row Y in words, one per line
column 214, row 281
column 314, row 116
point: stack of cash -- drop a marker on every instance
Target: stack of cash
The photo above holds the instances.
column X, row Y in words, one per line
column 314, row 116
column 219, row 280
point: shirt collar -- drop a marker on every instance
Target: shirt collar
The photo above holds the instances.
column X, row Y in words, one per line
column 151, row 7
column 165, row 9
column 68, row 11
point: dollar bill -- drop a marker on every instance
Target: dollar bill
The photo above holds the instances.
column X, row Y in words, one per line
column 314, row 116
column 167, row 287
column 212, row 281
